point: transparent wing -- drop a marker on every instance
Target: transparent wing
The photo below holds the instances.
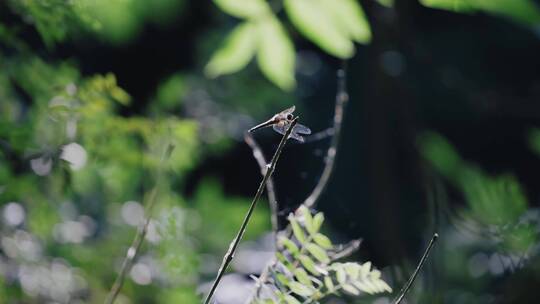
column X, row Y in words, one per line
column 297, row 137
column 281, row 129
column 302, row 129
column 288, row 111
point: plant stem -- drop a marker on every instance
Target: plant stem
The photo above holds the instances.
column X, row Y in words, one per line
column 227, row 259
column 407, row 286
column 270, row 190
column 342, row 97
column 347, row 250
column 139, row 236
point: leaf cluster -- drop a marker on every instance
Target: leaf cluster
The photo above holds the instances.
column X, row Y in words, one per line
column 333, row 25
column 306, row 271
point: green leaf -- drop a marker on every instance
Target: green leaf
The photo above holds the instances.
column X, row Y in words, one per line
column 235, row 54
column 244, row 8
column 300, row 289
column 322, row 240
column 302, row 277
column 522, row 11
column 289, row 245
column 364, row 286
column 308, row 264
column 384, row 286
column 276, row 55
column 352, row 269
column 318, row 253
column 308, row 219
column 281, row 257
column 297, row 230
column 341, row 275
column 350, row 18
column 291, row 300
column 387, row 3
column 365, row 268
column 350, row 289
column 318, row 220
column 318, row 26
column 328, row 283
column 282, row 279
column 453, row 5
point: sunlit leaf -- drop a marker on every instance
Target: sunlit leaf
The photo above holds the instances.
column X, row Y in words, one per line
column 387, row 3
column 290, row 245
column 244, row 8
column 329, row 283
column 352, row 269
column 522, row 11
column 341, row 275
column 350, row 289
column 297, row 230
column 350, row 18
column 282, row 279
column 237, row 51
column 318, row 253
column 291, row 300
column 302, row 277
column 300, row 289
column 276, row 55
column 365, row 268
column 317, row 25
column 318, row 220
column 364, row 286
column 322, row 241
column 308, row 218
column 309, row 264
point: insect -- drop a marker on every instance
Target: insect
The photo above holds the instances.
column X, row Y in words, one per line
column 281, row 122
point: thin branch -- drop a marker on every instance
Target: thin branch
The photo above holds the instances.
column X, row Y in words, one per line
column 346, row 250
column 139, row 236
column 270, row 190
column 259, row 283
column 407, row 286
column 227, row 259
column 342, row 97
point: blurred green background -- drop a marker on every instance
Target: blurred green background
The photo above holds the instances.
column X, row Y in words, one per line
column 442, row 133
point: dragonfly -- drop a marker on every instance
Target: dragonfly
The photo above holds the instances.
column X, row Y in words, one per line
column 281, row 122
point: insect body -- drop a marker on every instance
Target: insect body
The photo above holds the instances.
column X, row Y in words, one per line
column 281, row 122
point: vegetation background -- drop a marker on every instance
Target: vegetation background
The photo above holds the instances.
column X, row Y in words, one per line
column 440, row 135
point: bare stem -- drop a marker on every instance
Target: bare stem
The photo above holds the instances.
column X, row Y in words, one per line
column 227, row 259
column 270, row 189
column 407, row 286
column 342, row 97
column 139, row 236
column 346, row 250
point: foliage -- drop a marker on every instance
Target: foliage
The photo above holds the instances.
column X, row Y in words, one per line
column 332, row 25
column 522, row 11
column 497, row 204
column 115, row 21
column 305, row 270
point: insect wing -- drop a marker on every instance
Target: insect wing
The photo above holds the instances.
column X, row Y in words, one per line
column 288, row 111
column 297, row 137
column 301, row 129
column 280, row 128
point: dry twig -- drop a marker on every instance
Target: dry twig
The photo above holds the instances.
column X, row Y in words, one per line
column 342, row 97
